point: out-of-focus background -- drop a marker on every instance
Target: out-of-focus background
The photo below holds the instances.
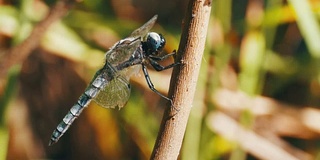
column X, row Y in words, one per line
column 258, row 93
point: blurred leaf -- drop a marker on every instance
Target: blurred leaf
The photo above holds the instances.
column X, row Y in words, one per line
column 308, row 25
column 282, row 66
column 9, row 91
column 34, row 10
column 8, row 20
column 4, row 139
column 5, row 99
column 65, row 42
column 251, row 60
column 278, row 15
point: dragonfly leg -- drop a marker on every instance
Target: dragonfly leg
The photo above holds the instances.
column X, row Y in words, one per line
column 160, row 58
column 150, row 84
column 159, row 67
column 153, row 61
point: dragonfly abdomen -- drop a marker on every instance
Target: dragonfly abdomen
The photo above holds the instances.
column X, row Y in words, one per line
column 91, row 92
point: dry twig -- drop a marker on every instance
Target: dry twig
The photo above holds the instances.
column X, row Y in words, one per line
column 183, row 85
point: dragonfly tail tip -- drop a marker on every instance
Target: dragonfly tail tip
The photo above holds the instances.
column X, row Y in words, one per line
column 51, row 143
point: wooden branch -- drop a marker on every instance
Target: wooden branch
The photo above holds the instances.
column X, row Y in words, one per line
column 19, row 53
column 184, row 79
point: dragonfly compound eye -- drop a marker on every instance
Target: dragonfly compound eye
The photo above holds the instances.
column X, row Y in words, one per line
column 155, row 41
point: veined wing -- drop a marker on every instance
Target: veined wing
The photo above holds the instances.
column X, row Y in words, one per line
column 115, row 93
column 143, row 30
column 108, row 88
column 123, row 49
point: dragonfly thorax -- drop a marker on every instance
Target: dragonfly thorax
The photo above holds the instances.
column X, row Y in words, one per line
column 155, row 43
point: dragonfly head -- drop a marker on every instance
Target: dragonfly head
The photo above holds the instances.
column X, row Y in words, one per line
column 155, row 42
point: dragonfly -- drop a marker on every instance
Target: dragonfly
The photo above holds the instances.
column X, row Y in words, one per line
column 110, row 86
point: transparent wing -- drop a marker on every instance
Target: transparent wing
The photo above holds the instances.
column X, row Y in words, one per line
column 115, row 93
column 143, row 30
column 122, row 50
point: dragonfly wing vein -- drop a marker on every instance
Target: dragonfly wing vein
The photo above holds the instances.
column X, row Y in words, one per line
column 143, row 30
column 116, row 93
